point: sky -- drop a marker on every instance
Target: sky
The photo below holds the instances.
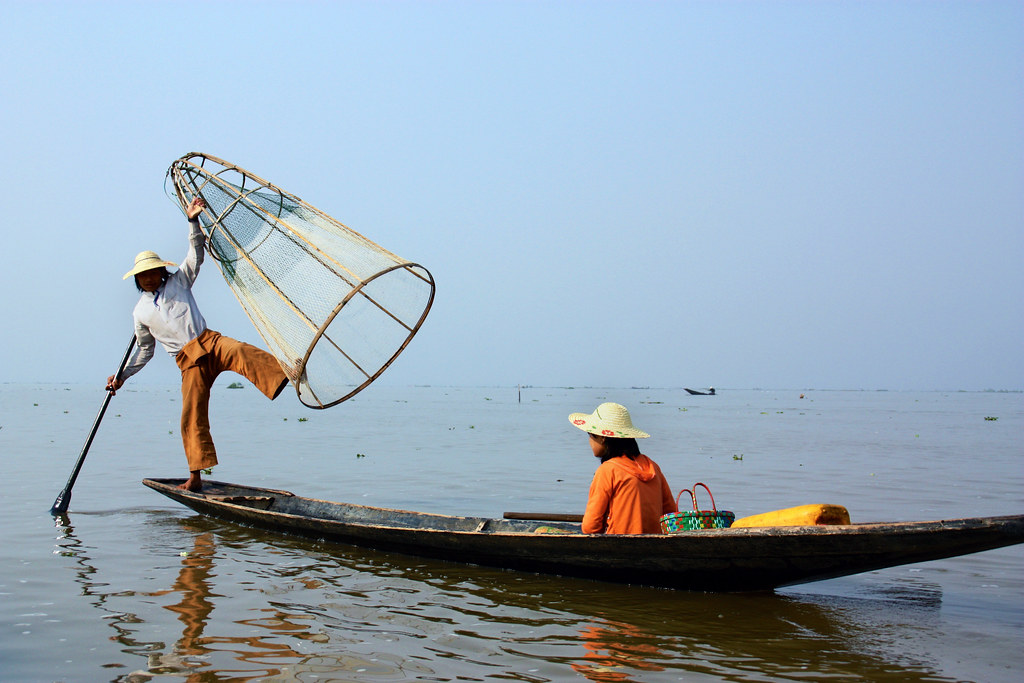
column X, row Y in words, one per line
column 777, row 195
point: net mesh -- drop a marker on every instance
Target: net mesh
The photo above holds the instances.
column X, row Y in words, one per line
column 333, row 307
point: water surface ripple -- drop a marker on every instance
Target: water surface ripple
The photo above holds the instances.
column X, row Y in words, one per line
column 132, row 587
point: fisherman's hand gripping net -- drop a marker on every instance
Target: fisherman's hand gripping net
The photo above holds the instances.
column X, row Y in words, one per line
column 334, row 308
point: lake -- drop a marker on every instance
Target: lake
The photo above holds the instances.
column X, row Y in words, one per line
column 130, row 586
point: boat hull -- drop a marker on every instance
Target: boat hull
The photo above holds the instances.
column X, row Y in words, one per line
column 747, row 559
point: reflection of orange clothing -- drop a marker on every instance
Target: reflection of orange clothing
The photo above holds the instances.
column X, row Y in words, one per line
column 613, row 650
column 194, row 585
column 627, row 497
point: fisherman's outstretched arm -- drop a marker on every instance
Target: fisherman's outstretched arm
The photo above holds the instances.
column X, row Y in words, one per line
column 196, row 240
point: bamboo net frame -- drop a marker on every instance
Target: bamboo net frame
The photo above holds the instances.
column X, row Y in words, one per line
column 334, row 307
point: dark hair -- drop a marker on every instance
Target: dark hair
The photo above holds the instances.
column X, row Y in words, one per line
column 615, row 446
column 163, row 278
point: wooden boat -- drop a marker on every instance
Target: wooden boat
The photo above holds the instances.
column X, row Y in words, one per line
column 707, row 560
column 694, row 392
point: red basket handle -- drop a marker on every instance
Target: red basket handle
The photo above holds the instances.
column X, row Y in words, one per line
column 692, row 497
column 694, row 494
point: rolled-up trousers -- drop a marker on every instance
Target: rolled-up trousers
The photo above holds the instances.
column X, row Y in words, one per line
column 200, row 361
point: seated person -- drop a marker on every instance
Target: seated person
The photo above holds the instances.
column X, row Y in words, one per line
column 629, row 494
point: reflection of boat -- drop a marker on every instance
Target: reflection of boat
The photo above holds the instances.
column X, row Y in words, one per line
column 694, row 392
column 709, row 559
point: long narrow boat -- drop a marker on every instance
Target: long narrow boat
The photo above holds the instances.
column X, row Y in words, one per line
column 706, row 560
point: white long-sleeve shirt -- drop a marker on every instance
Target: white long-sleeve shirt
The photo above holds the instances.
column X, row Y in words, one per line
column 169, row 315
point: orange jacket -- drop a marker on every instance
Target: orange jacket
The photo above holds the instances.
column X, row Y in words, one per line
column 627, row 497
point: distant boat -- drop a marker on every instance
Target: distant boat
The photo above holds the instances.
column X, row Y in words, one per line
column 694, row 392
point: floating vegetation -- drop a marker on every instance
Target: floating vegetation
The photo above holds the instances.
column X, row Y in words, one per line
column 737, row 457
column 235, row 385
column 683, row 410
column 303, row 419
column 991, row 419
column 360, row 455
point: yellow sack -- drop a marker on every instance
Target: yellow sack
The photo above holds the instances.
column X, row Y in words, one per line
column 802, row 515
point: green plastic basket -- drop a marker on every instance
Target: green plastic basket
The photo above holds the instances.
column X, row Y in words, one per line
column 692, row 520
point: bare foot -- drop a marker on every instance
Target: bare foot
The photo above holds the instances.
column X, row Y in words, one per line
column 194, row 482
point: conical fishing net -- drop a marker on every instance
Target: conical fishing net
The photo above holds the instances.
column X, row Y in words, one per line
column 332, row 306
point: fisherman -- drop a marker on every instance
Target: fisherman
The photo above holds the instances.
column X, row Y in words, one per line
column 628, row 494
column 167, row 313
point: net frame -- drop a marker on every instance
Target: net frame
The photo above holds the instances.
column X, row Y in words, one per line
column 197, row 172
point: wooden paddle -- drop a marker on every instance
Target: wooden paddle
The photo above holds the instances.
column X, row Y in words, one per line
column 544, row 516
column 60, row 505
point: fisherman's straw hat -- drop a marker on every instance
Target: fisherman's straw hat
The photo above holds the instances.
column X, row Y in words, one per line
column 147, row 260
column 610, row 419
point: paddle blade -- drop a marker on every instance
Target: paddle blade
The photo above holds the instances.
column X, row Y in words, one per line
column 60, row 505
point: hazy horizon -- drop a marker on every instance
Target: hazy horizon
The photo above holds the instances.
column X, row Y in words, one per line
column 625, row 194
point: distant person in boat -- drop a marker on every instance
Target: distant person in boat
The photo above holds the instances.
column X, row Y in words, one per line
column 629, row 494
column 167, row 313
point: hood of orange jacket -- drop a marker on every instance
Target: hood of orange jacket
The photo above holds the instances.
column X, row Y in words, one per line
column 642, row 467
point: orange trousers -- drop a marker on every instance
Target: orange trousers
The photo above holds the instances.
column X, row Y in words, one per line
column 200, row 361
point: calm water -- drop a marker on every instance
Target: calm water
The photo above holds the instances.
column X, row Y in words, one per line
column 131, row 586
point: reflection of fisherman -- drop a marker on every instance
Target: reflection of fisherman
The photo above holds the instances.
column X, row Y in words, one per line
column 194, row 585
column 167, row 313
